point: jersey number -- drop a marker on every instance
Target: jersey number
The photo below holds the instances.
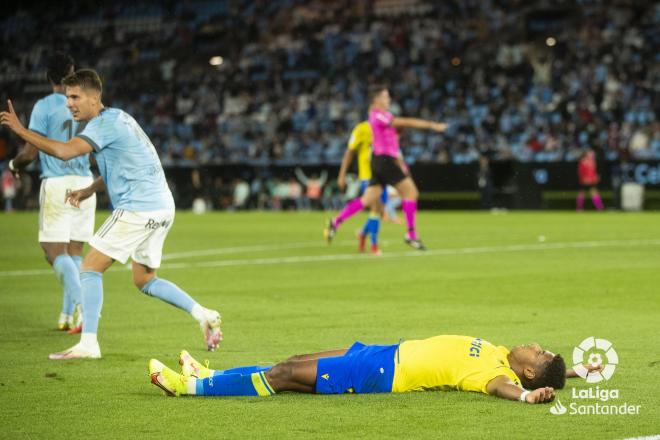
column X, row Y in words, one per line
column 68, row 126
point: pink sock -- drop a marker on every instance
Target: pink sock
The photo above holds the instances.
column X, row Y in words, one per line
column 579, row 202
column 409, row 207
column 598, row 202
column 351, row 208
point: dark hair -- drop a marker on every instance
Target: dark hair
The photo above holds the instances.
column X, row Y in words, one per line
column 375, row 90
column 58, row 65
column 553, row 375
column 84, row 78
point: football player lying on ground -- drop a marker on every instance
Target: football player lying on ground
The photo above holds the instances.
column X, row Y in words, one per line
column 527, row 373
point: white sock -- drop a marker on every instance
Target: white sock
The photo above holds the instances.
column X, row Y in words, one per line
column 64, row 318
column 89, row 339
column 199, row 313
column 192, row 386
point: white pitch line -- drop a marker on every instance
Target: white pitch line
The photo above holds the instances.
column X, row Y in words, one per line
column 436, row 252
column 255, row 248
column 354, row 256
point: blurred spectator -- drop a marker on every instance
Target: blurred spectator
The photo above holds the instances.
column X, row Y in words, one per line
column 313, row 188
column 241, row 194
column 294, row 77
column 8, row 189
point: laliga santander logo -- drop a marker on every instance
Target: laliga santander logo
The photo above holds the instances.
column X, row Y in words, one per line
column 590, row 352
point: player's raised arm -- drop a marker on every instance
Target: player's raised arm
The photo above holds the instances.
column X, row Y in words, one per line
column 61, row 150
column 420, row 124
column 504, row 388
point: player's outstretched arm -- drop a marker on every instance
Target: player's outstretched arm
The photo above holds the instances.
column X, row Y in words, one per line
column 75, row 197
column 25, row 157
column 61, row 150
column 504, row 388
column 420, row 124
column 570, row 373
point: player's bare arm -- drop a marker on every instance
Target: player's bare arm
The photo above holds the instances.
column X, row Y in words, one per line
column 420, row 124
column 75, row 197
column 25, row 157
column 345, row 163
column 62, row 150
column 570, row 373
column 504, row 388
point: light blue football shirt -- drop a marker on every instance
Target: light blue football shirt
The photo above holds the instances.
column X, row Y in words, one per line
column 51, row 118
column 128, row 162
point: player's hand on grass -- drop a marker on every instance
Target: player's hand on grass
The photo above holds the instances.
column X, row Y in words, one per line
column 9, row 119
column 75, row 197
column 590, row 369
column 541, row 395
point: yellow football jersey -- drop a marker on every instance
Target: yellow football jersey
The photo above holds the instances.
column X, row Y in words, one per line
column 360, row 142
column 449, row 362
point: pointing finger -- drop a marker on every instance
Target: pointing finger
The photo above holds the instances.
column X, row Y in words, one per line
column 11, row 106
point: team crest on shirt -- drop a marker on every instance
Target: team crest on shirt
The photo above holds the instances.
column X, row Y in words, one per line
column 325, row 376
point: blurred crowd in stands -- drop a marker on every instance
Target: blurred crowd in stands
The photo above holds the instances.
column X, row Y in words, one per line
column 290, row 77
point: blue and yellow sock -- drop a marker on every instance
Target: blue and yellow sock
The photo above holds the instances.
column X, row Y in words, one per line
column 242, row 370
column 170, row 293
column 92, row 300
column 375, row 229
column 254, row 384
column 69, row 276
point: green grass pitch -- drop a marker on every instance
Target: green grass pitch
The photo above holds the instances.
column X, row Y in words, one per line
column 552, row 278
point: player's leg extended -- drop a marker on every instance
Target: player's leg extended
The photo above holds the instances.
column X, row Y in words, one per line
column 579, row 201
column 369, row 197
column 91, row 281
column 74, row 250
column 409, row 194
column 596, row 199
column 299, row 376
column 146, row 280
column 192, row 367
column 67, row 273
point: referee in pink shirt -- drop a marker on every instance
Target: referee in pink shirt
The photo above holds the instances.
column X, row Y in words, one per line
column 386, row 165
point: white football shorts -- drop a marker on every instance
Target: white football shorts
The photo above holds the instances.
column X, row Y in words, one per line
column 61, row 222
column 139, row 235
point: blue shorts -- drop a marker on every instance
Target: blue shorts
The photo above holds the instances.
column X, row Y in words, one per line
column 363, row 369
column 364, row 184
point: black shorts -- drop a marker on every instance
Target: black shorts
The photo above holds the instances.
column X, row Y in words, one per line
column 385, row 171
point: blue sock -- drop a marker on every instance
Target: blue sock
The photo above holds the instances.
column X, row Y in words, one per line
column 242, row 370
column 366, row 229
column 77, row 259
column 375, row 228
column 254, row 384
column 92, row 300
column 68, row 274
column 170, row 293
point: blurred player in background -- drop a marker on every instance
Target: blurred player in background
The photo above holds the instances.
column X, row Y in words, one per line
column 527, row 373
column 143, row 207
column 63, row 228
column 359, row 145
column 385, row 165
column 589, row 178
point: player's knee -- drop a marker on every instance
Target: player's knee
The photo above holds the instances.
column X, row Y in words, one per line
column 280, row 374
column 51, row 254
column 141, row 279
